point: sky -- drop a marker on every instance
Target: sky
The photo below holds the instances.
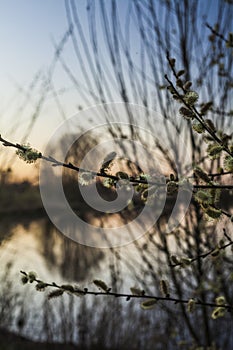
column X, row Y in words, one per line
column 28, row 30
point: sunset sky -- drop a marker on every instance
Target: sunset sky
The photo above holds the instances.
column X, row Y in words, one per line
column 28, row 30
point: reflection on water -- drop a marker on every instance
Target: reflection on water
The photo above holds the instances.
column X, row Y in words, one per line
column 37, row 245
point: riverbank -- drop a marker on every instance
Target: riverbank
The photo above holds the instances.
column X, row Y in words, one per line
column 20, row 197
column 12, row 341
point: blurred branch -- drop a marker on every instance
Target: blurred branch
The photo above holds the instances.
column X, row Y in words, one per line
column 214, row 252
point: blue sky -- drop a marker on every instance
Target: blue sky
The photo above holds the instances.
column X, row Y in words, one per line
column 27, row 31
column 27, row 28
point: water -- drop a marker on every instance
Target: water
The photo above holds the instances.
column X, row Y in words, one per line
column 35, row 245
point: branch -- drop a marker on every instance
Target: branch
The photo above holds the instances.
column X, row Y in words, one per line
column 40, row 286
column 197, row 115
column 217, row 33
column 131, row 179
column 214, row 252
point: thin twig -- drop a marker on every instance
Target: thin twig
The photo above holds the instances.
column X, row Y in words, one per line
column 131, row 179
column 198, row 117
column 210, row 252
column 76, row 291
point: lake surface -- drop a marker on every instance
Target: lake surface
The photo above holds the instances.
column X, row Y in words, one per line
column 36, row 245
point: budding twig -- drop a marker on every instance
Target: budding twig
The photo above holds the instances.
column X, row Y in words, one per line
column 78, row 292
